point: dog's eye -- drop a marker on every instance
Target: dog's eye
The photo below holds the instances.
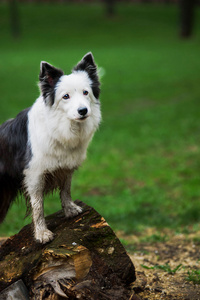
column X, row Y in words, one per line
column 85, row 93
column 66, row 96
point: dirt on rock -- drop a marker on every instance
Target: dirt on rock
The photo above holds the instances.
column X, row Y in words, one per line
column 163, row 266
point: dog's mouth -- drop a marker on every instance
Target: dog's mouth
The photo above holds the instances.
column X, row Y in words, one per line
column 82, row 118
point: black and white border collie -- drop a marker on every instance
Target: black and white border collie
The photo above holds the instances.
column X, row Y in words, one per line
column 44, row 144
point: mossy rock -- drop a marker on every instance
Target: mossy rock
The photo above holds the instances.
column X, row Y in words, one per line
column 84, row 261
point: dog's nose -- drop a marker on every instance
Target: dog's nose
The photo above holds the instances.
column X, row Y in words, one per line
column 82, row 111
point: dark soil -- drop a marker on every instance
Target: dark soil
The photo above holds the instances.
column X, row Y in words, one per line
column 155, row 283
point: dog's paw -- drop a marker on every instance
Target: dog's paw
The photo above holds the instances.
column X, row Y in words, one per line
column 44, row 236
column 71, row 210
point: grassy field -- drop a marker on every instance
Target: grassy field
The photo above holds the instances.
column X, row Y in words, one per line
column 143, row 166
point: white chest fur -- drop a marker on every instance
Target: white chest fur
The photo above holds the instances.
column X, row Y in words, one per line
column 57, row 142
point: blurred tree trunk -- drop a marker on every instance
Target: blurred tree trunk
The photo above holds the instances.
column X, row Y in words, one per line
column 14, row 19
column 186, row 17
column 110, row 7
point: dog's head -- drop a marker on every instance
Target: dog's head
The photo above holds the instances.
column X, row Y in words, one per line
column 73, row 94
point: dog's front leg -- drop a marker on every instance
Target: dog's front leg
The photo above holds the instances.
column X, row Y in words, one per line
column 34, row 184
column 41, row 233
column 69, row 207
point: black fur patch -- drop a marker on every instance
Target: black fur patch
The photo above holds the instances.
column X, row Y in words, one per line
column 14, row 155
column 87, row 64
column 49, row 76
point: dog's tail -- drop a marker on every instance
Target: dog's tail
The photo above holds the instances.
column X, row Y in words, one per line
column 8, row 192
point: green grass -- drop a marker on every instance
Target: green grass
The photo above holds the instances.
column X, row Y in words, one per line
column 194, row 276
column 166, row 268
column 143, row 166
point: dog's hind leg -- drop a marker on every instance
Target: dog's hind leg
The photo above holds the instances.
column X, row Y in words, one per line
column 69, row 207
column 8, row 192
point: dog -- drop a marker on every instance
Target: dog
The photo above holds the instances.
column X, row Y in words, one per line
column 42, row 147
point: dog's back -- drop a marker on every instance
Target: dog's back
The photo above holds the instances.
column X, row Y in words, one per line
column 13, row 152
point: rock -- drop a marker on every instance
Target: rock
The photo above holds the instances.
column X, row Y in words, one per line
column 84, row 261
column 16, row 291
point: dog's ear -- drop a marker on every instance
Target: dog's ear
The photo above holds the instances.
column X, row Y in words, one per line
column 88, row 65
column 48, row 78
